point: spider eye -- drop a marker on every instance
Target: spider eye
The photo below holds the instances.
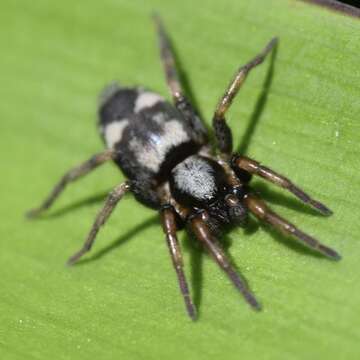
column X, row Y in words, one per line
column 236, row 209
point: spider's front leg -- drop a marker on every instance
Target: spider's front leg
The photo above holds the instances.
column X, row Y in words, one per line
column 222, row 131
column 169, row 226
column 262, row 212
column 255, row 168
column 203, row 234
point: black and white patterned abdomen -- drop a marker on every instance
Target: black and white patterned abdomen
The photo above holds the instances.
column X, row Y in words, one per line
column 150, row 135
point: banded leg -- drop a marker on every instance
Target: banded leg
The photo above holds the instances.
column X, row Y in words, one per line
column 262, row 212
column 113, row 198
column 255, row 168
column 173, row 81
column 222, row 130
column 169, row 227
column 71, row 176
column 204, row 235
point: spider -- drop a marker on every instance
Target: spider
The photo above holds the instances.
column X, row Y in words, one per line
column 164, row 151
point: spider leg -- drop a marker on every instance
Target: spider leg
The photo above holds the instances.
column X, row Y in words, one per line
column 173, row 81
column 71, row 176
column 113, row 198
column 169, row 227
column 255, row 168
column 222, row 131
column 202, row 232
column 262, row 212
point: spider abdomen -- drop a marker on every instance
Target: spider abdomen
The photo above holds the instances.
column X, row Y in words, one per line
column 150, row 135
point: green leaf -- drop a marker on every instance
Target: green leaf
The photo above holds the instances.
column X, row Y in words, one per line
column 122, row 301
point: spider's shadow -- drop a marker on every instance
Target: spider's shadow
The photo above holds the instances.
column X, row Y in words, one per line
column 283, row 199
column 260, row 105
column 131, row 234
column 95, row 199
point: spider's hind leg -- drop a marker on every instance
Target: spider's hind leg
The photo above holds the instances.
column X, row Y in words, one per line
column 110, row 203
column 181, row 102
column 258, row 207
column 222, row 131
column 169, row 226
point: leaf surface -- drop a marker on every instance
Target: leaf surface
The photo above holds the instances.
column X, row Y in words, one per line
column 299, row 115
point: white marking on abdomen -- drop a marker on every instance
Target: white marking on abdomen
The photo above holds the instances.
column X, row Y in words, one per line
column 114, row 131
column 146, row 100
column 153, row 156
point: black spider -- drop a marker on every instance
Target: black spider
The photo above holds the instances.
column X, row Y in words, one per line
column 163, row 149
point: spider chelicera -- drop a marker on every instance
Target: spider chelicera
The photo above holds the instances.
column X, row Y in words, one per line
column 164, row 151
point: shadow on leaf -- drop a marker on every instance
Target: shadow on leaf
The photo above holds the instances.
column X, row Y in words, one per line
column 131, row 234
column 95, row 199
column 259, row 107
column 287, row 200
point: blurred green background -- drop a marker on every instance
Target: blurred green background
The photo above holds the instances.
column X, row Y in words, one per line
column 301, row 116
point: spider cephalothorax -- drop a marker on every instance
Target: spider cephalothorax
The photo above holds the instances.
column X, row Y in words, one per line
column 163, row 150
column 200, row 182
